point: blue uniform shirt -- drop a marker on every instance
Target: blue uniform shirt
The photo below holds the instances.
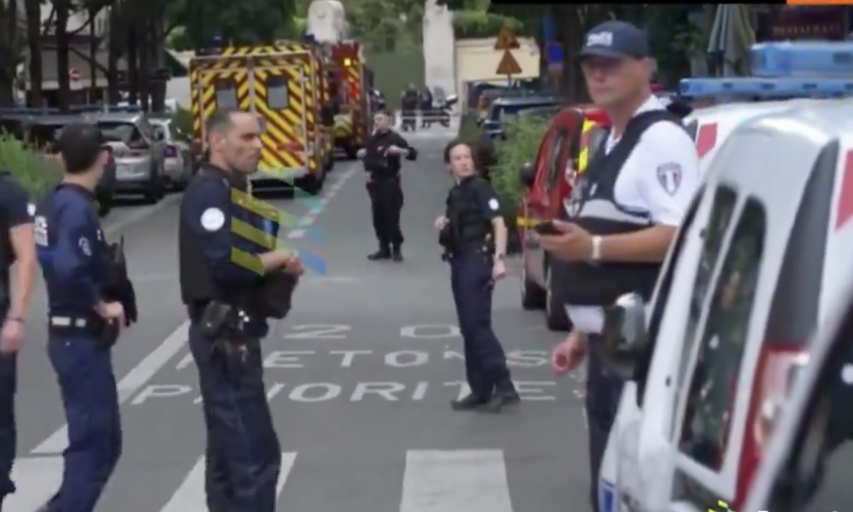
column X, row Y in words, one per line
column 71, row 250
column 210, row 213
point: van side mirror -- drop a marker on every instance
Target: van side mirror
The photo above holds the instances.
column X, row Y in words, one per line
column 327, row 115
column 528, row 174
column 625, row 337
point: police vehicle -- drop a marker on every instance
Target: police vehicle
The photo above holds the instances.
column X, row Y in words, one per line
column 753, row 270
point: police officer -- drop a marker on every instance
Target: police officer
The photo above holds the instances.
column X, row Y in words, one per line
column 222, row 275
column 409, row 105
column 17, row 246
column 623, row 214
column 72, row 253
column 381, row 158
column 426, row 107
column 474, row 236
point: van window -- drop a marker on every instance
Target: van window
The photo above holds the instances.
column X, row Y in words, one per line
column 712, row 240
column 226, row 94
column 554, row 169
column 666, row 279
column 714, row 383
column 277, row 92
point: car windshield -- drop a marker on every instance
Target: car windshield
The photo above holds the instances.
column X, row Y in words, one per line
column 125, row 132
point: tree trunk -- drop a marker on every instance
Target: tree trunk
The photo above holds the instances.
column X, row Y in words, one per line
column 63, row 8
column 93, row 55
column 132, row 61
column 9, row 51
column 114, row 46
column 34, row 66
column 158, row 58
column 145, row 42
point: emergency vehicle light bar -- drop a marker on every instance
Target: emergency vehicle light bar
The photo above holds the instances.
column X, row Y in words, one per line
column 765, row 87
column 802, row 59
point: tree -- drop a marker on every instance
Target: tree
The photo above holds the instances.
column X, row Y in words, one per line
column 11, row 42
column 238, row 23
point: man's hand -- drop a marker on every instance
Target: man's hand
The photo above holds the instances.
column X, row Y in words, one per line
column 396, row 150
column 361, row 153
column 112, row 311
column 293, row 266
column 12, row 336
column 572, row 244
column 498, row 269
column 568, row 354
column 440, row 222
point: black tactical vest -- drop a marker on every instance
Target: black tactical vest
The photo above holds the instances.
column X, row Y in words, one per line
column 196, row 276
column 593, row 206
column 471, row 229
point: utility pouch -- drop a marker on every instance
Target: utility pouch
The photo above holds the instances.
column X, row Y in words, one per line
column 215, row 318
column 107, row 334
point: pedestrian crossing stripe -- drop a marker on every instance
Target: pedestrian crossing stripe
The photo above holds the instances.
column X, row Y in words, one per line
column 432, row 481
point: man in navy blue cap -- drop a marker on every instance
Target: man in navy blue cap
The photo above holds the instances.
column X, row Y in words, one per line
column 620, row 220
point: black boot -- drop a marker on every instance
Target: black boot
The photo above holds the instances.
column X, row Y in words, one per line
column 397, row 254
column 468, row 403
column 382, row 254
column 505, row 394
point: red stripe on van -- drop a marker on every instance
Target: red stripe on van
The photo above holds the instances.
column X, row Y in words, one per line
column 844, row 211
column 706, row 139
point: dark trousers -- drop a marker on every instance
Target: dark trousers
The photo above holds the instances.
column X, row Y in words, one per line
column 485, row 361
column 603, row 392
column 386, row 201
column 88, row 387
column 243, row 456
column 8, row 433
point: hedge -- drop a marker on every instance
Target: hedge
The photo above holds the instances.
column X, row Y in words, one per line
column 35, row 172
column 523, row 138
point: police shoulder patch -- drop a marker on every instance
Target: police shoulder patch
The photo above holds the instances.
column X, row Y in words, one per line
column 669, row 177
column 493, row 204
column 212, row 219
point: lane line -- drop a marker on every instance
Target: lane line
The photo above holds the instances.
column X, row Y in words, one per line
column 455, row 481
column 135, row 379
column 191, row 496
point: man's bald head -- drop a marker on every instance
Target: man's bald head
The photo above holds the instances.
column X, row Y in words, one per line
column 234, row 140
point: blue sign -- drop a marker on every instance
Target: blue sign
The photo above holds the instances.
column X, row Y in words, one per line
column 553, row 53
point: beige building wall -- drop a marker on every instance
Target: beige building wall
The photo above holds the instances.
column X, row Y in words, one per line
column 477, row 60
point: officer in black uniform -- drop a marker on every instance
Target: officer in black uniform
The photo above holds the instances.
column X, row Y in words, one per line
column 225, row 279
column 16, row 225
column 84, row 318
column 474, row 237
column 621, row 218
column 409, row 106
column 381, row 158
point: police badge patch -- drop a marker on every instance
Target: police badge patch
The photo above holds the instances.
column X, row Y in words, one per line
column 669, row 177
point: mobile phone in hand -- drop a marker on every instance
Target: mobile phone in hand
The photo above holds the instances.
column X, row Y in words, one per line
column 547, row 228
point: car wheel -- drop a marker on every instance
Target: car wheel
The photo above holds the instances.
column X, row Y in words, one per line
column 556, row 318
column 351, row 151
column 532, row 295
column 105, row 205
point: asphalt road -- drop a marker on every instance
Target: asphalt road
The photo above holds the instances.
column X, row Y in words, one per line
column 360, row 377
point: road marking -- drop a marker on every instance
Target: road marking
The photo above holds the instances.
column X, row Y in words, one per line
column 37, row 479
column 128, row 386
column 455, row 481
column 317, row 210
column 140, row 214
column 191, row 496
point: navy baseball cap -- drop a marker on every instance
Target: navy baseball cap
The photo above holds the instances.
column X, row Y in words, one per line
column 616, row 40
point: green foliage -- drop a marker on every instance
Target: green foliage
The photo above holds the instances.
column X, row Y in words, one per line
column 238, row 23
column 468, row 129
column 479, row 24
column 523, row 138
column 35, row 172
column 183, row 120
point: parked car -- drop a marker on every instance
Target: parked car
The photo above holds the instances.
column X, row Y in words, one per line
column 759, row 261
column 503, row 108
column 547, row 112
column 139, row 152
column 42, row 131
column 177, row 158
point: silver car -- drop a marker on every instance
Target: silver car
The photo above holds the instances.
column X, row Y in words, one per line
column 178, row 163
column 139, row 153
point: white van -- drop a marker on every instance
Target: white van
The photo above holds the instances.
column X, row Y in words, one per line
column 752, row 271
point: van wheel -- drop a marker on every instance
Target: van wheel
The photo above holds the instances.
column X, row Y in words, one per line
column 556, row 318
column 329, row 164
column 313, row 184
column 532, row 295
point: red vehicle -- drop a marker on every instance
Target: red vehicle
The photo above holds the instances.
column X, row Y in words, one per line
column 549, row 180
